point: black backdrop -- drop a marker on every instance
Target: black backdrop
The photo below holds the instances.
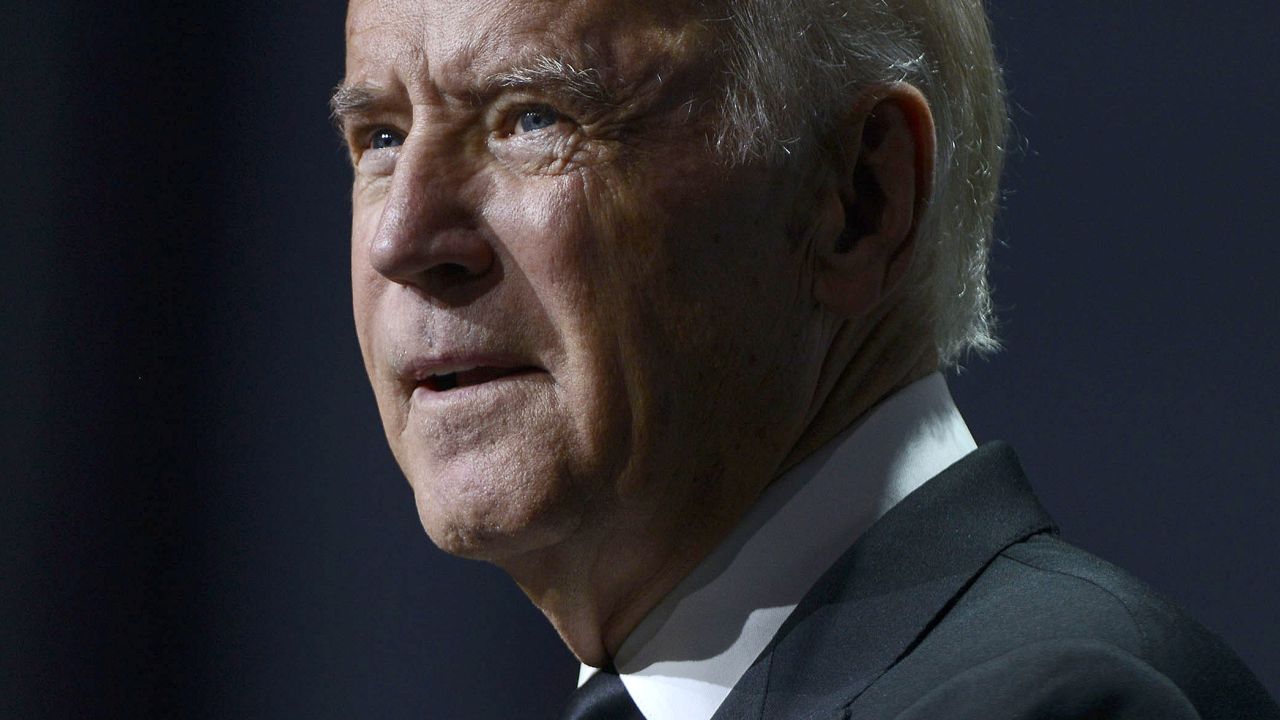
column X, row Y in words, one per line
column 200, row 518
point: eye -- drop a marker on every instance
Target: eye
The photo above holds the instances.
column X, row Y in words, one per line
column 537, row 118
column 385, row 138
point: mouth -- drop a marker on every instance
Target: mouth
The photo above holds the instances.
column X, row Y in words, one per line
column 470, row 377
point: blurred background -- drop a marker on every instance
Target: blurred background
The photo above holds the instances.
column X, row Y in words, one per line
column 200, row 518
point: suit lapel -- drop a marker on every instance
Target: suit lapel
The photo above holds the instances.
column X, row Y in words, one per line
column 884, row 594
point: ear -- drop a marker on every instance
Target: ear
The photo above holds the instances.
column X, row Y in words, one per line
column 883, row 177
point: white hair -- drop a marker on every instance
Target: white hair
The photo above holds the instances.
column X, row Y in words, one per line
column 795, row 65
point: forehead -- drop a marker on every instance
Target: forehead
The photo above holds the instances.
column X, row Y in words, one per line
column 456, row 39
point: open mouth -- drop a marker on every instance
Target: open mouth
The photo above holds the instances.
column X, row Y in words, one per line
column 445, row 382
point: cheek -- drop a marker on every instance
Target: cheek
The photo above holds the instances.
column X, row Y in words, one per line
column 367, row 289
column 364, row 224
column 711, row 300
column 559, row 280
column 542, row 227
column 553, row 241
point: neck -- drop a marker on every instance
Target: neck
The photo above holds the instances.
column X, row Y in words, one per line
column 596, row 588
column 867, row 363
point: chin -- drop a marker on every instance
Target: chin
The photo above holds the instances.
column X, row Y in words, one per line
column 491, row 518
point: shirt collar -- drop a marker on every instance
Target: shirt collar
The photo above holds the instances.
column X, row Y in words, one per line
column 687, row 654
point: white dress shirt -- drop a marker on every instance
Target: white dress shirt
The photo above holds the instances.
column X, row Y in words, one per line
column 682, row 660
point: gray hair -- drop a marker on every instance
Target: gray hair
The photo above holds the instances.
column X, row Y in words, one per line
column 794, row 65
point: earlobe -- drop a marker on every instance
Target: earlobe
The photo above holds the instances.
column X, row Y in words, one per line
column 883, row 179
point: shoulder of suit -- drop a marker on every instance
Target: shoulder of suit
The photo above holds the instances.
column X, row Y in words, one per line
column 1078, row 594
column 1063, row 678
column 1044, row 590
column 1081, row 595
column 1048, row 630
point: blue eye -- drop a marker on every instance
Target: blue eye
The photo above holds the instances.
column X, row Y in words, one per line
column 538, row 118
column 385, row 138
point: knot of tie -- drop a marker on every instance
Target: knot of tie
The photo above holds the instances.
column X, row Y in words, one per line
column 602, row 697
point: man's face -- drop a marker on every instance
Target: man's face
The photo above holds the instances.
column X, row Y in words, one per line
column 573, row 315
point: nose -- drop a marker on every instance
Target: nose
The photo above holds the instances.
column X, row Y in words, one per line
column 428, row 235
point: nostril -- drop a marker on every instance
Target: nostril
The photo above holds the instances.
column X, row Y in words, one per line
column 453, row 271
column 460, row 280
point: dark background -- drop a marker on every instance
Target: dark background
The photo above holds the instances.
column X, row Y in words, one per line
column 201, row 519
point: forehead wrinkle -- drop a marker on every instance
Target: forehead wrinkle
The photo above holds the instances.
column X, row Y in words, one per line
column 425, row 65
column 508, row 39
column 456, row 74
column 602, row 56
column 595, row 67
column 385, row 48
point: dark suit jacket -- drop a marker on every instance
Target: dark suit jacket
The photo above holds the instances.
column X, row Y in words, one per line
column 961, row 602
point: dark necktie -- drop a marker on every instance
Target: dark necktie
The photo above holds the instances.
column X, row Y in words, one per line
column 601, row 697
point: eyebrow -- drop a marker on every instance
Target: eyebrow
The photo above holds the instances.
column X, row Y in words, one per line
column 558, row 76
column 540, row 72
column 349, row 100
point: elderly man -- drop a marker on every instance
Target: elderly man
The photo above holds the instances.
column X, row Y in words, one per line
column 654, row 297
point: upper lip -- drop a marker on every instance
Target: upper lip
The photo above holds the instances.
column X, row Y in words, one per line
column 418, row 370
